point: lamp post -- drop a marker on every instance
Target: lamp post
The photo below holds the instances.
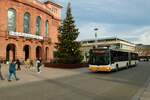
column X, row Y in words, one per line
column 96, row 29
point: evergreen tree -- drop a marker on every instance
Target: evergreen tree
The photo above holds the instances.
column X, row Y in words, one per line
column 68, row 49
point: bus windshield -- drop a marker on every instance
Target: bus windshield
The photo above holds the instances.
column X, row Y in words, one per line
column 99, row 58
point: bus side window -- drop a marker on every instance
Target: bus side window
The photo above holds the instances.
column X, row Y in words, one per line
column 114, row 57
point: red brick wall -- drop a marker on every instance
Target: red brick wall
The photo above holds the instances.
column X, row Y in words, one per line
column 22, row 6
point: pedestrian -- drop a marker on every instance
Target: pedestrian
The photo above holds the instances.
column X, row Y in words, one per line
column 18, row 64
column 31, row 63
column 12, row 70
column 38, row 65
column 27, row 63
column 1, row 76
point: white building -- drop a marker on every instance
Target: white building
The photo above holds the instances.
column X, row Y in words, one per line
column 114, row 43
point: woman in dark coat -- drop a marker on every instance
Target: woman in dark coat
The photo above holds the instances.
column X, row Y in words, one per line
column 18, row 64
column 12, row 70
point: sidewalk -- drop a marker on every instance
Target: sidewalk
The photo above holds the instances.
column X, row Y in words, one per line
column 31, row 75
column 146, row 93
column 143, row 93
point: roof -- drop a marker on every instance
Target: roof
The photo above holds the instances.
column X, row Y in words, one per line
column 144, row 46
column 50, row 1
column 105, row 39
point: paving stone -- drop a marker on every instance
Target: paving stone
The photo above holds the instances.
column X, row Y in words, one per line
column 31, row 75
column 146, row 95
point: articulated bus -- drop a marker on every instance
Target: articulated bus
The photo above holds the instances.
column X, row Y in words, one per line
column 105, row 59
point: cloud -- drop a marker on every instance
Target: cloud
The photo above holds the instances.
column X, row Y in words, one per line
column 134, row 12
column 143, row 35
column 126, row 19
column 87, row 30
column 128, row 32
column 144, row 38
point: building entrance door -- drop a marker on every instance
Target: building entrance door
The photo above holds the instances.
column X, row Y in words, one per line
column 10, row 52
column 38, row 52
column 26, row 50
column 46, row 53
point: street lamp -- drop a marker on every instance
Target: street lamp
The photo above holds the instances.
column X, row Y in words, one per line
column 96, row 29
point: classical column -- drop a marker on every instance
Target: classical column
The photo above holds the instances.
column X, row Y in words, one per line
column 19, row 51
column 33, row 52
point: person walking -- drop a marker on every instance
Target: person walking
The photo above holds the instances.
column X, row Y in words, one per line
column 18, row 64
column 1, row 76
column 31, row 64
column 38, row 65
column 12, row 70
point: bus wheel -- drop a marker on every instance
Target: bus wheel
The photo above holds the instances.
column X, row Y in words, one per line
column 127, row 65
column 117, row 67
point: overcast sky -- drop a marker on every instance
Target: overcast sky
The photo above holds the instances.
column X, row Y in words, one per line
column 125, row 19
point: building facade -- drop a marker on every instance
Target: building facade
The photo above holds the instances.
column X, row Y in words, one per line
column 113, row 43
column 28, row 29
column 143, row 50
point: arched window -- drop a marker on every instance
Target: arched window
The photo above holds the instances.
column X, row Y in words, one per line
column 46, row 28
column 27, row 22
column 11, row 19
column 38, row 25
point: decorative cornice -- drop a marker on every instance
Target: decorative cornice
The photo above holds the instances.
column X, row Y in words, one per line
column 40, row 6
column 55, row 4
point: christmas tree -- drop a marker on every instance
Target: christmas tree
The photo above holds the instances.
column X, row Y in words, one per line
column 68, row 49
